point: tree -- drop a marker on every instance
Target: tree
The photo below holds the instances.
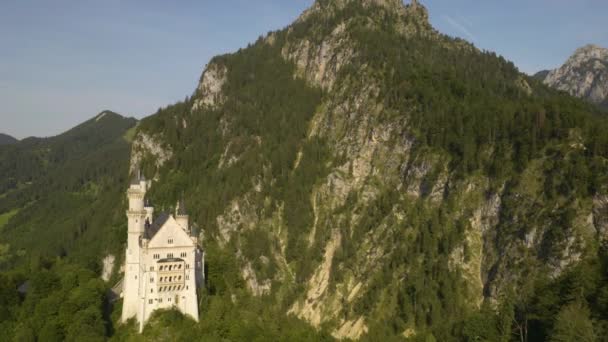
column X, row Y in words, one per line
column 573, row 323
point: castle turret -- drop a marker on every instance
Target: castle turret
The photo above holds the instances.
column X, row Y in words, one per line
column 149, row 210
column 136, row 216
column 181, row 216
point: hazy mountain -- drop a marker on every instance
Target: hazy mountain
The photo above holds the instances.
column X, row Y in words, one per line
column 585, row 74
column 362, row 173
column 6, row 139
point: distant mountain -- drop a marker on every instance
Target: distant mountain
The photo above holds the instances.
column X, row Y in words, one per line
column 57, row 184
column 541, row 75
column 6, row 139
column 585, row 75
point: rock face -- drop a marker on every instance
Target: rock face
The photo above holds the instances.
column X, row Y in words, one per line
column 108, row 267
column 385, row 204
column 209, row 91
column 585, row 75
column 147, row 146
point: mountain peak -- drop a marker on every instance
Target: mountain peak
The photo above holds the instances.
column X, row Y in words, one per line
column 585, row 74
column 589, row 51
column 413, row 10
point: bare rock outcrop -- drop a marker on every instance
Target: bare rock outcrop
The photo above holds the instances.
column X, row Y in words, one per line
column 585, row 75
column 209, row 91
column 146, row 145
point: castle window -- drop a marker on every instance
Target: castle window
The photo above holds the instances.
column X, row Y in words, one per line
column 152, row 268
column 161, row 268
column 156, row 256
column 186, row 287
column 170, row 241
column 170, row 255
column 151, row 279
column 187, row 266
column 150, row 301
column 151, row 290
column 169, row 299
column 160, row 300
column 183, row 255
column 187, row 277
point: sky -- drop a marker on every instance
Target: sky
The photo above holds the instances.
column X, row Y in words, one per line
column 64, row 61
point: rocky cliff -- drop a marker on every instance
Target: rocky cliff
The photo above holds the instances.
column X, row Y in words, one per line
column 585, row 75
column 356, row 180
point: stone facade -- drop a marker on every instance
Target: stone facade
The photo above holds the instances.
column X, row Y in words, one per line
column 163, row 261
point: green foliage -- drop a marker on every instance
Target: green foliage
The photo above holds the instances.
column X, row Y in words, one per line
column 63, row 303
column 573, row 323
column 60, row 193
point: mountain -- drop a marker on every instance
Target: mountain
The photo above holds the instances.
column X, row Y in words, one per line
column 585, row 75
column 376, row 178
column 54, row 187
column 6, row 139
column 360, row 173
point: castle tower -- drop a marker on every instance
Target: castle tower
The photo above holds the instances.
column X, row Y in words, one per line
column 181, row 216
column 149, row 210
column 136, row 216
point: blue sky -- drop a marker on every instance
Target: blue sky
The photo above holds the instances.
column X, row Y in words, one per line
column 63, row 61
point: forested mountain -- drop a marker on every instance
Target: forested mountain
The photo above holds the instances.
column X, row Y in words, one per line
column 53, row 189
column 585, row 74
column 6, row 139
column 363, row 174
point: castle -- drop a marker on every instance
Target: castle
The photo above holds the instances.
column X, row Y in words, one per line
column 163, row 262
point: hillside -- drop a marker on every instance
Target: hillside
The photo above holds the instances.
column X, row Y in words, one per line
column 355, row 175
column 55, row 189
column 6, row 139
column 584, row 74
column 376, row 178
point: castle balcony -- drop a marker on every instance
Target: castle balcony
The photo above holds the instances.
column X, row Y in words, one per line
column 171, row 275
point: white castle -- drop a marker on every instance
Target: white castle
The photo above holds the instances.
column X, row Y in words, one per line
column 163, row 264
